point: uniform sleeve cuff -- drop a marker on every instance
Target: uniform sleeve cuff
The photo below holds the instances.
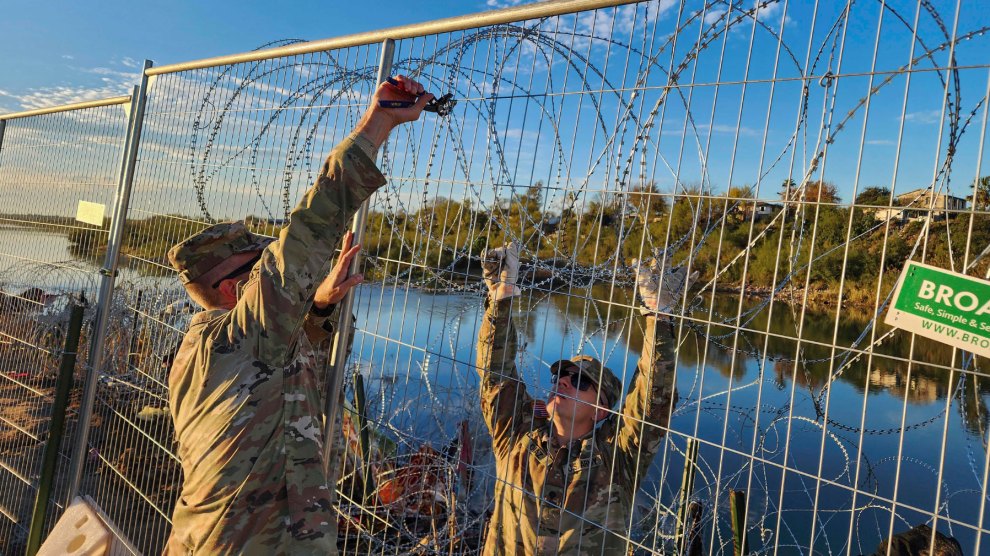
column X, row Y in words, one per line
column 498, row 306
column 366, row 146
column 363, row 163
column 324, row 313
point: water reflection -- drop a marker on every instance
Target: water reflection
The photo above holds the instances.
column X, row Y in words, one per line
column 778, row 391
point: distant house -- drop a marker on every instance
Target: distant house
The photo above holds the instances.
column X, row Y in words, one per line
column 893, row 214
column 763, row 209
column 922, row 200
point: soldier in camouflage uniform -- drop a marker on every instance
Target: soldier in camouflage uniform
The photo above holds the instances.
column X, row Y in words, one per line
column 245, row 390
column 567, row 474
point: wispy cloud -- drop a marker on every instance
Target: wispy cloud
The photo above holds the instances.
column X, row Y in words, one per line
column 110, row 82
column 57, row 96
column 731, row 129
column 721, row 129
column 657, row 9
column 507, row 3
column 68, row 57
column 769, row 14
column 713, row 15
column 926, row 117
column 882, row 142
column 105, row 71
column 624, row 19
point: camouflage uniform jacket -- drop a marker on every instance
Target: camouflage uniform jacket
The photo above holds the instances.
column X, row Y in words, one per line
column 245, row 390
column 576, row 499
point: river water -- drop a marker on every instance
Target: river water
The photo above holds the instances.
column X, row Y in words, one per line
column 755, row 411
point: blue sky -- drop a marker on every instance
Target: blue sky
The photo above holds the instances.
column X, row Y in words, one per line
column 61, row 52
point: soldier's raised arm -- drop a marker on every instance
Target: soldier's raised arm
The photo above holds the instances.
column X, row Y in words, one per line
column 645, row 413
column 506, row 406
column 245, row 388
column 275, row 301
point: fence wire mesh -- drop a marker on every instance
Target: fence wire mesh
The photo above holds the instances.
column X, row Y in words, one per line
column 796, row 155
column 772, row 166
column 46, row 259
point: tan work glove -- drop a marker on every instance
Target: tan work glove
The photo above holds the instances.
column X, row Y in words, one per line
column 661, row 289
column 500, row 267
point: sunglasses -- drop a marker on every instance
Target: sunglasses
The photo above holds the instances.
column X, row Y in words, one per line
column 246, row 267
column 578, row 380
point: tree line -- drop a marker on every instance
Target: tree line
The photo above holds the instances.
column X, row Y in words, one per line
column 798, row 238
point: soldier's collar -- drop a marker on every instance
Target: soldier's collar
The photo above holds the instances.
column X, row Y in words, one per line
column 541, row 434
column 554, row 442
column 587, row 441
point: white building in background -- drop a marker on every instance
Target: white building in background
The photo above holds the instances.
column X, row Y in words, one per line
column 922, row 199
column 762, row 209
column 894, row 214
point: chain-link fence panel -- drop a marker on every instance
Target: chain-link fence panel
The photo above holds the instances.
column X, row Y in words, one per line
column 49, row 164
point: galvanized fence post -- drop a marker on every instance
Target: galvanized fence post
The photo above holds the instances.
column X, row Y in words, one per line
column 3, row 127
column 104, row 302
column 737, row 514
column 55, row 431
column 338, row 360
column 682, row 536
column 364, row 433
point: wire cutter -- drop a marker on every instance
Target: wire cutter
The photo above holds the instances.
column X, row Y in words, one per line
column 442, row 106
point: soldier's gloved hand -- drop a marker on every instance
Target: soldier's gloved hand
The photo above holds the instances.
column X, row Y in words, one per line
column 661, row 288
column 501, row 271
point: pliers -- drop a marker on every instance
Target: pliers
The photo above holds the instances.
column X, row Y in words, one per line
column 442, row 106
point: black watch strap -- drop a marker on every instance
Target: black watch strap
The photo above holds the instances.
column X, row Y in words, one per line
column 324, row 312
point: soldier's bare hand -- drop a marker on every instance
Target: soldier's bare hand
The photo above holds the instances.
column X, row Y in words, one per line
column 408, row 90
column 338, row 283
column 379, row 121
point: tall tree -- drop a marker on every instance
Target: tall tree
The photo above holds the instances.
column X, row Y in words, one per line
column 647, row 200
column 787, row 188
column 740, row 192
column 812, row 192
column 874, row 196
column 981, row 193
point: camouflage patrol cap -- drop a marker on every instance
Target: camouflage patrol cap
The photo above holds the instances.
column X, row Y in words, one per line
column 609, row 387
column 200, row 252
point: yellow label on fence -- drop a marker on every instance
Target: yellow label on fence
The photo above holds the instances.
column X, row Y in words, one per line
column 90, row 213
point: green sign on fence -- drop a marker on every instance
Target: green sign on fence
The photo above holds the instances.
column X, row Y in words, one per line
column 945, row 306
